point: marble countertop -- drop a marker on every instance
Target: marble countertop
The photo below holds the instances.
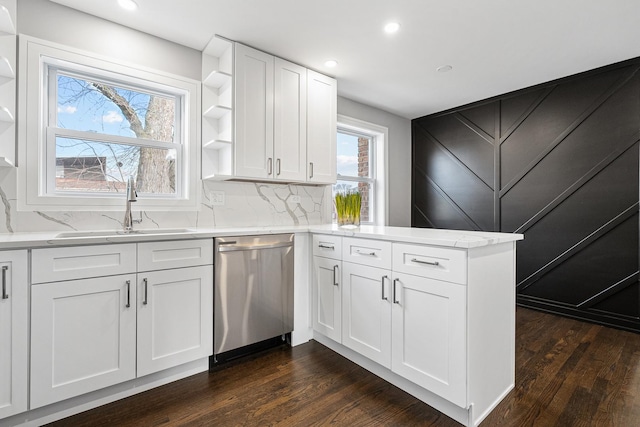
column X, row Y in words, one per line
column 428, row 236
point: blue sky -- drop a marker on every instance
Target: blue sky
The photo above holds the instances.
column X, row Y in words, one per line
column 347, row 152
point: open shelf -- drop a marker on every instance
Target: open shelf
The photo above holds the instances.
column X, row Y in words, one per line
column 6, row 23
column 217, row 79
column 217, row 177
column 5, row 115
column 216, row 111
column 6, row 70
column 6, row 163
column 216, row 144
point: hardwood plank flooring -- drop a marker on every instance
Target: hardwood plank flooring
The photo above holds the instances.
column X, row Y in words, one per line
column 568, row 373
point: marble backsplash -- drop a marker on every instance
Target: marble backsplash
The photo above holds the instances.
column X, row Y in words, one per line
column 246, row 204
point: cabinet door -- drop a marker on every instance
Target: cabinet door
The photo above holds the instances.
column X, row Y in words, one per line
column 327, row 312
column 175, row 317
column 83, row 336
column 321, row 128
column 428, row 335
column 290, row 126
column 253, row 113
column 366, row 311
column 13, row 333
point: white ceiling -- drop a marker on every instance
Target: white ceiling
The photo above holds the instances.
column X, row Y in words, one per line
column 494, row 46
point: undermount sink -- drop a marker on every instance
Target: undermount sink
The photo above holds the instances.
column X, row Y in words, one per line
column 111, row 233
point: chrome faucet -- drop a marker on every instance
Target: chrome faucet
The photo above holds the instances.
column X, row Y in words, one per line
column 132, row 196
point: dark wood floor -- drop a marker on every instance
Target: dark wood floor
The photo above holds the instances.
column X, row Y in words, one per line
column 568, row 373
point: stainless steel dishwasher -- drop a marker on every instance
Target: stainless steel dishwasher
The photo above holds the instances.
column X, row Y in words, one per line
column 253, row 290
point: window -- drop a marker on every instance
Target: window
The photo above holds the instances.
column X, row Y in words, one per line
column 361, row 166
column 99, row 123
column 102, row 132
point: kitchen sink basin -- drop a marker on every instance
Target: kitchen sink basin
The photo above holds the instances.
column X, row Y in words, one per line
column 112, row 233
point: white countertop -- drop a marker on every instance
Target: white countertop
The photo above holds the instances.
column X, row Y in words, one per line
column 427, row 236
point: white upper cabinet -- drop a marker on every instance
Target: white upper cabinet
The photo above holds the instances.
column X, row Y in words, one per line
column 285, row 122
column 321, row 128
column 290, row 125
column 254, row 79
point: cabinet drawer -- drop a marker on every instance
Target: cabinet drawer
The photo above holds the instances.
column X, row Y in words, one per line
column 428, row 261
column 375, row 253
column 174, row 254
column 327, row 246
column 78, row 262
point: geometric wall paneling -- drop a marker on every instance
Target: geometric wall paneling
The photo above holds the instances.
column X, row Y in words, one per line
column 590, row 209
column 482, row 118
column 465, row 191
column 560, row 113
column 435, row 207
column 558, row 162
column 466, row 142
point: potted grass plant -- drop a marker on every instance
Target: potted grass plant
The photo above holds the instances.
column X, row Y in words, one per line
column 348, row 205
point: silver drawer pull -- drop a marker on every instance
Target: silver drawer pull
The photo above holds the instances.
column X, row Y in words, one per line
column 5, row 295
column 419, row 261
column 128, row 304
column 326, row 247
column 145, row 301
column 365, row 253
column 395, row 300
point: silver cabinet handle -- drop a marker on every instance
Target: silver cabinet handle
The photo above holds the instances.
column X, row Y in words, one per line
column 335, row 280
column 333, row 248
column 383, row 297
column 310, row 169
column 278, row 167
column 5, row 295
column 395, row 300
column 128, row 304
column 365, row 253
column 145, row 301
column 269, row 166
column 425, row 262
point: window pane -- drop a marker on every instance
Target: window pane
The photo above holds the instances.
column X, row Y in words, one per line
column 107, row 109
column 353, row 155
column 90, row 166
column 365, row 191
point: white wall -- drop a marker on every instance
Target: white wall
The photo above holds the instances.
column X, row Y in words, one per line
column 51, row 21
column 399, row 162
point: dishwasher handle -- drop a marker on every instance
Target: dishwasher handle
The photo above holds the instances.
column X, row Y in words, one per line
column 232, row 246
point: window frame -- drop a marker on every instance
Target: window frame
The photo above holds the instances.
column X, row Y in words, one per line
column 38, row 130
column 378, row 165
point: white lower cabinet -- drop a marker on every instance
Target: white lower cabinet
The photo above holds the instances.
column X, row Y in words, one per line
column 94, row 332
column 175, row 317
column 428, row 335
column 413, row 325
column 366, row 311
column 83, row 336
column 13, row 332
column 327, row 312
column 439, row 322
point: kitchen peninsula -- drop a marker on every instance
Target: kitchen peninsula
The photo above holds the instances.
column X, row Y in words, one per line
column 431, row 311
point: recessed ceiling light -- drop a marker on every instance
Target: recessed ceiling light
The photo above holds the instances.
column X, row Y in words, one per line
column 444, row 68
column 330, row 63
column 391, row 27
column 128, row 4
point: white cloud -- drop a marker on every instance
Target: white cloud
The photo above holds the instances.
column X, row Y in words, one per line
column 112, row 117
column 347, row 160
column 67, row 109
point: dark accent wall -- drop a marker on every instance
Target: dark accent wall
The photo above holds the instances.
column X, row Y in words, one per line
column 559, row 163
